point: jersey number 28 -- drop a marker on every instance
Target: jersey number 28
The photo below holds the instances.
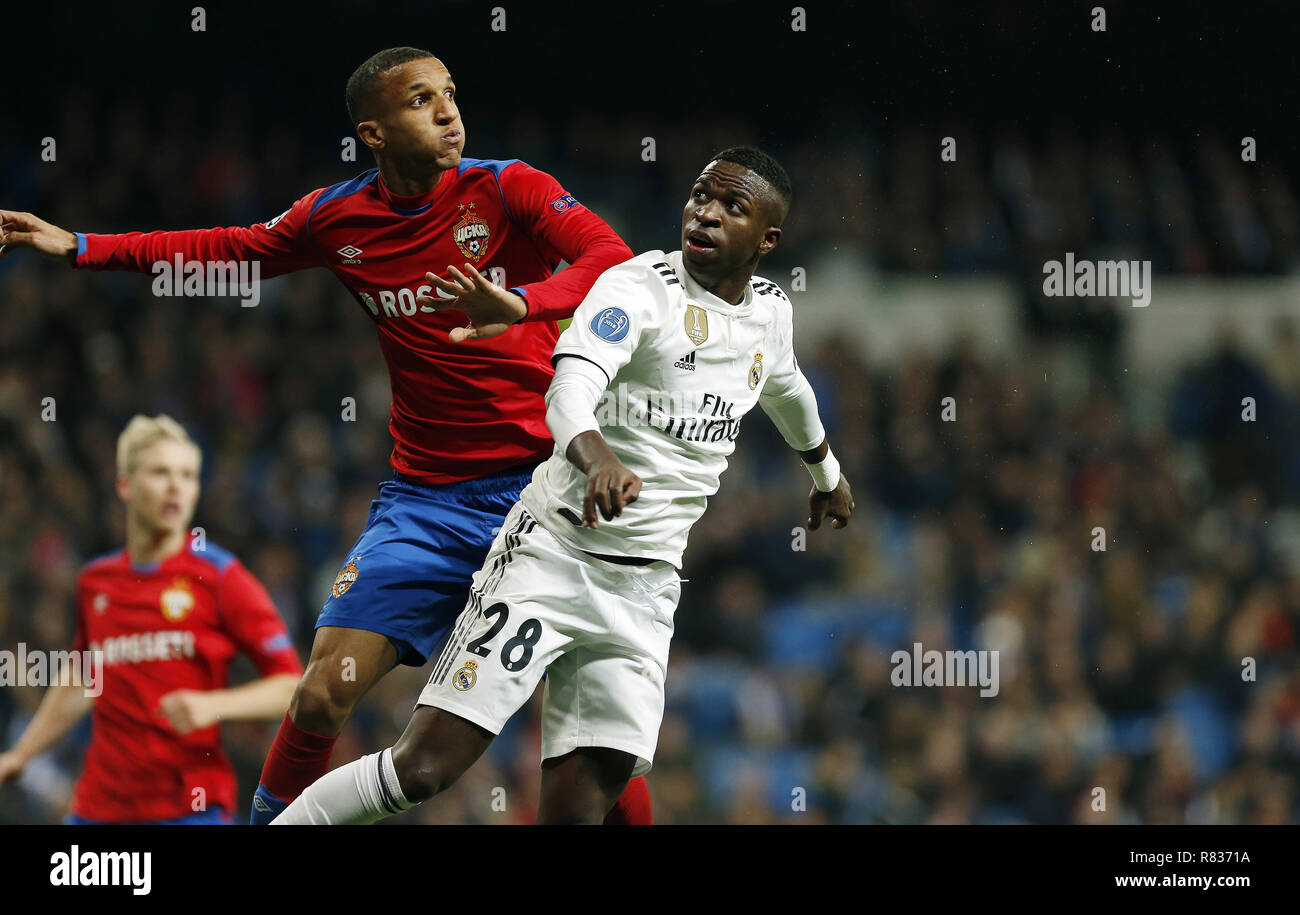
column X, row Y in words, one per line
column 530, row 630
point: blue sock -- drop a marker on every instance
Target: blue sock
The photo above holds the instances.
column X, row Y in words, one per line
column 266, row 807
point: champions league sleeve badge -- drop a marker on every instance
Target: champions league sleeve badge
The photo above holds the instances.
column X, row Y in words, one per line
column 611, row 325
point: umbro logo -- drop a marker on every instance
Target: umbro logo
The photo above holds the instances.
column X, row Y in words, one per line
column 686, row 363
column 261, row 805
column 350, row 253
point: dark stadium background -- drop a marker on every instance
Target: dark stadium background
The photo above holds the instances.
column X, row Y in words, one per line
column 1121, row 669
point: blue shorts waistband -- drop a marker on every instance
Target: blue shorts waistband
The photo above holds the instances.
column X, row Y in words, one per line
column 511, row 478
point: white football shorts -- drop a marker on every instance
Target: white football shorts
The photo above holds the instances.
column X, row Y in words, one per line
column 599, row 630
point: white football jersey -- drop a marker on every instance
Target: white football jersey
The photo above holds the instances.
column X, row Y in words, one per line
column 683, row 367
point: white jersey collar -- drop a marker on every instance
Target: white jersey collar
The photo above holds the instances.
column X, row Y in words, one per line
column 698, row 293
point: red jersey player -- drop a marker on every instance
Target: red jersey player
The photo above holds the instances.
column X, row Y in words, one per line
column 167, row 615
column 468, row 420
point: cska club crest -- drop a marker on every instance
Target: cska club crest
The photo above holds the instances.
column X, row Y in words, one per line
column 697, row 324
column 177, row 601
column 470, row 233
column 346, row 578
column 756, row 370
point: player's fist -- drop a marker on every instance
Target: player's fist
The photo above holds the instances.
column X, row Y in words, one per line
column 11, row 766
column 23, row 230
column 836, row 504
column 187, row 710
column 610, row 487
column 490, row 308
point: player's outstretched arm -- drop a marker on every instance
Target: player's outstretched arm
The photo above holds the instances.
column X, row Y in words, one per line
column 61, row 708
column 266, row 699
column 23, row 230
column 276, row 247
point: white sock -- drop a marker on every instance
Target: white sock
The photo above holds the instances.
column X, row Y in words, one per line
column 362, row 792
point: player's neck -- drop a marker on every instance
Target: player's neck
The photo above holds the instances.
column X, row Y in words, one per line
column 409, row 184
column 145, row 545
column 731, row 289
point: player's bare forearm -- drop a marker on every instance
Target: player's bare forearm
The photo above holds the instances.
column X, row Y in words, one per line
column 610, row 486
column 23, row 230
column 191, row 710
column 588, row 449
column 267, row 698
column 61, row 708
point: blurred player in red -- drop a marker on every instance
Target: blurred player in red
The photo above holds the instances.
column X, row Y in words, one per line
column 168, row 614
column 468, row 421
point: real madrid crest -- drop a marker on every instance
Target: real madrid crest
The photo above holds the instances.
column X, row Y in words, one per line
column 756, row 370
column 466, row 677
column 346, row 577
column 697, row 324
column 177, row 601
column 470, row 233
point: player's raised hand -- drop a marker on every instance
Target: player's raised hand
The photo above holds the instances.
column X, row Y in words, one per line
column 23, row 230
column 491, row 309
column 837, row 504
column 610, row 487
column 187, row 710
column 11, row 766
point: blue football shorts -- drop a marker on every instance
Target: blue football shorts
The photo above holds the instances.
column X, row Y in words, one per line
column 408, row 575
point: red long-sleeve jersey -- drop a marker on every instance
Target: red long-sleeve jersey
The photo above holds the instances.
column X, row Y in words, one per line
column 459, row 411
column 169, row 625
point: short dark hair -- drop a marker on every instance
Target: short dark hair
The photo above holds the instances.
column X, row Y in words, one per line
column 763, row 165
column 364, row 81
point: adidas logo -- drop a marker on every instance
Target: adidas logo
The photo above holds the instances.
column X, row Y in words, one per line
column 686, row 363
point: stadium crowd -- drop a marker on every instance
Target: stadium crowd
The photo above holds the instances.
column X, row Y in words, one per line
column 1120, row 669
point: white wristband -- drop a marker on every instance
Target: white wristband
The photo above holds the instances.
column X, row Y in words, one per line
column 826, row 474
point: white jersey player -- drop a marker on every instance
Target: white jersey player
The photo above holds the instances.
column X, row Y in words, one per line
column 664, row 358
column 665, row 370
